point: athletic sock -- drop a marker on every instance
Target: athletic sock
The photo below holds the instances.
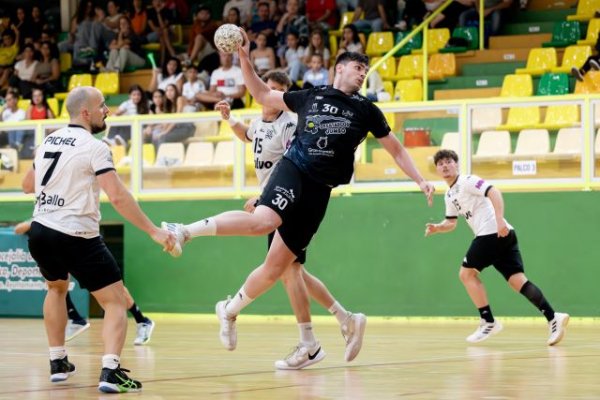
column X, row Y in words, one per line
column 237, row 303
column 137, row 314
column 339, row 312
column 536, row 297
column 206, row 227
column 110, row 361
column 57, row 353
column 72, row 311
column 486, row 314
column 306, row 333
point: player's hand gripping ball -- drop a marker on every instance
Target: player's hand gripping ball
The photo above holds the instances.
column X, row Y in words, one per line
column 228, row 38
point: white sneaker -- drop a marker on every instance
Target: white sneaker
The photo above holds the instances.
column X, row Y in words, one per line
column 484, row 331
column 73, row 330
column 557, row 328
column 301, row 357
column 144, row 332
column 228, row 331
column 353, row 331
column 180, row 237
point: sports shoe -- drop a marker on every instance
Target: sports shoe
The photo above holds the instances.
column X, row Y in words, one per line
column 594, row 64
column 484, row 331
column 180, row 237
column 557, row 328
column 144, row 332
column 117, row 381
column 228, row 331
column 353, row 330
column 75, row 328
column 301, row 357
column 61, row 369
column 577, row 74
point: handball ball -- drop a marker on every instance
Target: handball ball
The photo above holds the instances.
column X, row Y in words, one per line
column 228, row 38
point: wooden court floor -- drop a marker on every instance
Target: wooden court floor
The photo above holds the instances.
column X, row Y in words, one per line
column 401, row 358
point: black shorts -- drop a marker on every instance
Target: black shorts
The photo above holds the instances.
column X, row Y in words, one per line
column 501, row 252
column 300, row 202
column 58, row 255
column 301, row 257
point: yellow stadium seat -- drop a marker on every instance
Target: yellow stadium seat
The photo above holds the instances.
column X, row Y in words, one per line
column 409, row 67
column 451, row 141
column 177, row 31
column 107, row 82
column 347, row 18
column 585, row 10
column 533, row 142
column 493, row 145
column 387, row 70
column 53, row 104
column 485, row 118
column 63, row 111
column 390, row 117
column 118, row 153
column 592, row 33
column 409, row 90
column 66, row 61
column 148, row 154
column 522, row 118
column 23, row 104
column 436, row 40
column 199, row 154
column 170, row 154
column 441, row 66
column 388, row 86
column 574, row 56
column 74, row 81
column 568, row 142
column 517, row 86
column 540, row 60
column 225, row 129
column 561, row 116
column 333, row 45
column 379, row 43
column 590, row 84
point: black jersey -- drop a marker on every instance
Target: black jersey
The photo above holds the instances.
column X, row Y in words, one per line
column 331, row 125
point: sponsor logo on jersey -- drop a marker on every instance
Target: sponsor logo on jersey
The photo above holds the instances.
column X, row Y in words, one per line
column 49, row 200
column 260, row 164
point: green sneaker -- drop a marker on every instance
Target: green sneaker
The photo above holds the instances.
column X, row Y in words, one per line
column 117, row 381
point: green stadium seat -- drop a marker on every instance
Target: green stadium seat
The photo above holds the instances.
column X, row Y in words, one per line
column 416, row 42
column 553, row 84
column 565, row 33
column 470, row 34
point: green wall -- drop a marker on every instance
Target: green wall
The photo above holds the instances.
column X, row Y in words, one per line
column 372, row 254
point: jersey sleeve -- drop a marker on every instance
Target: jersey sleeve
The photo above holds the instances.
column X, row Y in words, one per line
column 295, row 100
column 451, row 211
column 377, row 123
column 477, row 186
column 102, row 160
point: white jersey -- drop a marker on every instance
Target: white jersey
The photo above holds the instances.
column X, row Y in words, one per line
column 66, row 190
column 269, row 141
column 467, row 197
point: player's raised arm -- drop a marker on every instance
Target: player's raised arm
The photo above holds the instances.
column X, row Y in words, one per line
column 258, row 89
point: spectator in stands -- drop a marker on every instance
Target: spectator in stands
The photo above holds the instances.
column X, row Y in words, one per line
column 160, row 20
column 350, row 40
column 243, row 6
column 413, row 14
column 136, row 104
column 264, row 25
column 201, row 46
column 158, row 104
column 316, row 45
column 23, row 24
column 39, row 109
column 169, row 73
column 494, row 11
column 321, row 14
column 171, row 132
column 12, row 113
column 8, row 52
column 191, row 88
column 85, row 35
column 292, row 21
column 317, row 75
column 233, row 17
column 344, row 6
column 228, row 80
column 293, row 58
column 449, row 18
column 374, row 18
column 24, row 72
column 139, row 18
column 262, row 57
column 592, row 63
column 126, row 49
column 47, row 72
column 38, row 23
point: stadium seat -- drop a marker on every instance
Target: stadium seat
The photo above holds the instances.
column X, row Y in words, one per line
column 345, row 20
column 451, row 141
column 199, row 154
column 206, row 128
column 74, row 81
column 585, row 10
column 177, row 31
column 388, row 86
column 23, row 104
column 333, row 45
column 387, row 70
column 568, row 142
column 118, row 153
column 224, row 154
column 574, row 56
column 517, row 86
column 561, row 116
column 148, row 153
column 591, row 34
column 66, row 61
column 553, row 84
column 390, row 117
column 107, row 82
column 415, row 42
column 522, row 118
column 469, row 33
column 436, row 40
column 485, row 118
column 540, row 60
column 409, row 67
column 590, row 84
column 441, row 66
column 564, row 33
column 379, row 43
column 13, row 156
column 225, row 129
column 533, row 142
column 53, row 104
column 493, row 145
column 409, row 90
column 169, row 155
column 63, row 111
